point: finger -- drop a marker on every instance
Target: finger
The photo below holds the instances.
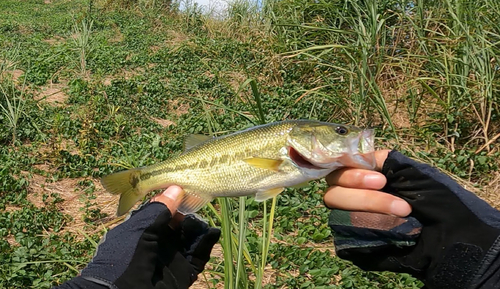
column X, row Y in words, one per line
column 380, row 157
column 350, row 199
column 171, row 198
column 357, row 178
column 361, row 178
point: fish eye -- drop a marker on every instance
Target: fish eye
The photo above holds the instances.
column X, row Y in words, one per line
column 342, row 130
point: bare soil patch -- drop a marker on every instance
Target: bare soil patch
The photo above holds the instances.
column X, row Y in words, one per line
column 107, row 80
column 12, row 241
column 205, row 276
column 163, row 122
column 154, row 48
column 10, row 71
column 176, row 38
column 11, row 209
column 16, row 74
column 53, row 94
column 118, row 37
column 54, row 40
column 177, row 107
column 123, row 74
column 74, row 200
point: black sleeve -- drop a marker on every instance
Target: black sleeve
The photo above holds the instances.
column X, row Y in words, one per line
column 81, row 283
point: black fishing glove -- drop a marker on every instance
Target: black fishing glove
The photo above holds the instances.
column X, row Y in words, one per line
column 450, row 240
column 145, row 252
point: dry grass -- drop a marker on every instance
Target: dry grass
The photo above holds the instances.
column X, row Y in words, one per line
column 235, row 79
column 490, row 191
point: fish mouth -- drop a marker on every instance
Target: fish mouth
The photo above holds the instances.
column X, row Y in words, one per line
column 359, row 153
column 366, row 142
column 300, row 160
column 363, row 148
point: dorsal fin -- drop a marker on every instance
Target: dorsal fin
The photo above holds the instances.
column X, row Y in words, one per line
column 194, row 140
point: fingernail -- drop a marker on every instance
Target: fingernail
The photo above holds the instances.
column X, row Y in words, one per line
column 172, row 193
column 400, row 208
column 374, row 181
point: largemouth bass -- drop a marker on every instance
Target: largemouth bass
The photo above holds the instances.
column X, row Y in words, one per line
column 260, row 161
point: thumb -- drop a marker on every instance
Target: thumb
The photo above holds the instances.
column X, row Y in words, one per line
column 171, row 197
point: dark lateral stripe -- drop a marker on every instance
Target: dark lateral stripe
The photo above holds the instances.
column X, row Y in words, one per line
column 151, row 174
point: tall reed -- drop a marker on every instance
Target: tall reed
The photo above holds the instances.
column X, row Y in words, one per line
column 348, row 40
column 83, row 42
column 12, row 105
column 12, row 100
column 239, row 264
column 439, row 59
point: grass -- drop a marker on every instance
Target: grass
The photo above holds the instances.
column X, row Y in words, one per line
column 133, row 78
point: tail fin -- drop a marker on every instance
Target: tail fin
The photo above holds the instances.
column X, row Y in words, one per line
column 126, row 184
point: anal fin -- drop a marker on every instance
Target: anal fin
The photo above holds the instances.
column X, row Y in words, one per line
column 264, row 195
column 192, row 202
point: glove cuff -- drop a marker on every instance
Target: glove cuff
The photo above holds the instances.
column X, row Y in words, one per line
column 487, row 275
column 355, row 230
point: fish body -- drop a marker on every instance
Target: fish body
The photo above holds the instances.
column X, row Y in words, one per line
column 260, row 161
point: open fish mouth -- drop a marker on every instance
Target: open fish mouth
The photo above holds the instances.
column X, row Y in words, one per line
column 365, row 142
column 359, row 153
column 300, row 160
column 363, row 150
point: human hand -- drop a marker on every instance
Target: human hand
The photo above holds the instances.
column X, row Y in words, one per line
column 359, row 190
column 153, row 248
column 449, row 240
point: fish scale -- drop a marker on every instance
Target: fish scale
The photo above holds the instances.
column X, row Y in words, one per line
column 254, row 161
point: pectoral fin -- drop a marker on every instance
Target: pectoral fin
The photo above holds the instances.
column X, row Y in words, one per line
column 268, row 164
column 264, row 195
column 301, row 185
